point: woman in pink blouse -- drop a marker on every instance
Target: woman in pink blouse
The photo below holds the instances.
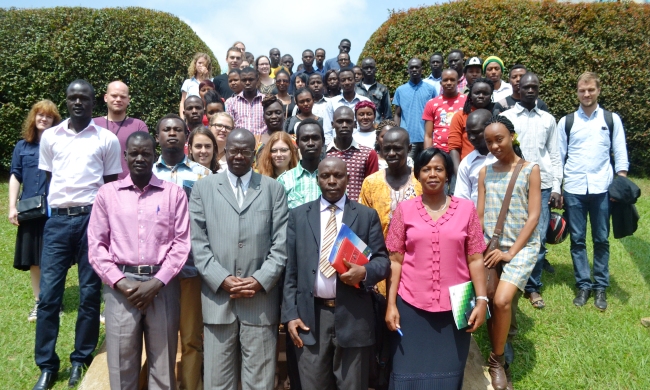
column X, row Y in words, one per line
column 435, row 241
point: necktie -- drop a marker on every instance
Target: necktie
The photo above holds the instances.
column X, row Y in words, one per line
column 240, row 192
column 328, row 242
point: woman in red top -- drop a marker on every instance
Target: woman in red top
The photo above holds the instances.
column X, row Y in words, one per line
column 435, row 242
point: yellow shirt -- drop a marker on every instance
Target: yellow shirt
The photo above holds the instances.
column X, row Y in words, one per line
column 275, row 70
column 377, row 194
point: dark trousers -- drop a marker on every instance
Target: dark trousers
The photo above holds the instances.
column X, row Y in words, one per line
column 328, row 366
column 64, row 243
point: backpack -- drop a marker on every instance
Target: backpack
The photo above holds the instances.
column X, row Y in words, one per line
column 609, row 121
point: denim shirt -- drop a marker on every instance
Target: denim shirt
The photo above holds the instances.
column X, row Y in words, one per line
column 24, row 167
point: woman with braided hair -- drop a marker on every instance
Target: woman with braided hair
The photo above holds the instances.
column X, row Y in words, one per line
column 519, row 242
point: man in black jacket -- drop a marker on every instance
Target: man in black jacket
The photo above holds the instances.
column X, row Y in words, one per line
column 330, row 321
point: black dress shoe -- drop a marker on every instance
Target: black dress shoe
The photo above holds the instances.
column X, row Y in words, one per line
column 600, row 301
column 45, row 381
column 581, row 297
column 75, row 375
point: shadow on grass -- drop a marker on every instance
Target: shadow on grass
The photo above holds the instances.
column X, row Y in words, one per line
column 639, row 251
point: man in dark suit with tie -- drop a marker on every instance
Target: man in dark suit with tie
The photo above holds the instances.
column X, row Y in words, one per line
column 330, row 321
column 238, row 222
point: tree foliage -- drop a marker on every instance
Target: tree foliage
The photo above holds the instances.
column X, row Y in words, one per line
column 43, row 50
column 558, row 41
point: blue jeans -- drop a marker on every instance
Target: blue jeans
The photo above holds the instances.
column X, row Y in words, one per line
column 65, row 243
column 577, row 209
column 534, row 283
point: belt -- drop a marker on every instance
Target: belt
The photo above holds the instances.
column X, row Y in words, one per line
column 139, row 269
column 325, row 302
column 72, row 210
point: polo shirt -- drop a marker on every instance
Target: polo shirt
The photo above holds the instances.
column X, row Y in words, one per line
column 122, row 129
column 78, row 162
column 412, row 98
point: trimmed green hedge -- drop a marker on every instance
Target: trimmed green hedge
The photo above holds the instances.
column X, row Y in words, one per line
column 43, row 50
column 558, row 41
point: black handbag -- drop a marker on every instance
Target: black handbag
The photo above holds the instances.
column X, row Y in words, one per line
column 32, row 208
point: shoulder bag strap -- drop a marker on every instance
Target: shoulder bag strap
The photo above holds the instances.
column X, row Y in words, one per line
column 498, row 229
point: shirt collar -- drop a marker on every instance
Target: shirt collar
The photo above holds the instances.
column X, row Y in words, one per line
column 433, row 78
column 128, row 182
column 354, row 145
column 361, row 84
column 161, row 163
column 519, row 108
column 415, row 85
column 475, row 154
column 302, row 170
column 241, row 95
column 324, row 204
column 64, row 126
column 342, row 98
column 593, row 114
column 245, row 179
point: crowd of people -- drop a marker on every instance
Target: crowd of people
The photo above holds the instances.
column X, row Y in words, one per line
column 225, row 237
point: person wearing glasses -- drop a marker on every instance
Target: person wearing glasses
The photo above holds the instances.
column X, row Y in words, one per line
column 238, row 222
column 174, row 166
column 221, row 124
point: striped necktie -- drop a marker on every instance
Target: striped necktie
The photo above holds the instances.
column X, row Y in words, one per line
column 328, row 242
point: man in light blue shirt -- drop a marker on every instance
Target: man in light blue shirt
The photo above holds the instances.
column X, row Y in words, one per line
column 410, row 99
column 587, row 176
column 333, row 63
column 435, row 78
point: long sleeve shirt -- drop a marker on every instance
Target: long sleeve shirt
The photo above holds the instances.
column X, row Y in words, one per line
column 132, row 227
column 537, row 135
column 588, row 168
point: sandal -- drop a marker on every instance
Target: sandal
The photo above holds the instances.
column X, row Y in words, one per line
column 536, row 300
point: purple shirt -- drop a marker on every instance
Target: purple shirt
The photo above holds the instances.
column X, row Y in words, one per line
column 133, row 227
column 122, row 131
column 247, row 115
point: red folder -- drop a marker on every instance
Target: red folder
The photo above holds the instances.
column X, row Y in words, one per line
column 350, row 253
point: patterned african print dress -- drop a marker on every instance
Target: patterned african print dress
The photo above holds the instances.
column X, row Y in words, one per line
column 518, row 270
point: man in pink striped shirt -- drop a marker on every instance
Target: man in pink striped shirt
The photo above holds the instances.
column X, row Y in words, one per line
column 246, row 107
column 138, row 241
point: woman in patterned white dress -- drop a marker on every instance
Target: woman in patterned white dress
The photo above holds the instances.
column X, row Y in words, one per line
column 519, row 243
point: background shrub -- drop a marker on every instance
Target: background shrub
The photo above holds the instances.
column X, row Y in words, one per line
column 558, row 41
column 43, row 50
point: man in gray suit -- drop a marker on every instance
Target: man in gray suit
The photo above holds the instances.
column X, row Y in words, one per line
column 330, row 321
column 238, row 221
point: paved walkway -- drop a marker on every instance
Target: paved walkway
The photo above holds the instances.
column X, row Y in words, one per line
column 476, row 376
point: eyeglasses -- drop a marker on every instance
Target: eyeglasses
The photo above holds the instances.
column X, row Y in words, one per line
column 220, row 126
column 243, row 152
column 279, row 150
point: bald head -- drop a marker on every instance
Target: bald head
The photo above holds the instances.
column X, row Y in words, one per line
column 117, row 99
column 332, row 178
column 479, row 116
column 397, row 134
column 241, row 136
column 475, row 126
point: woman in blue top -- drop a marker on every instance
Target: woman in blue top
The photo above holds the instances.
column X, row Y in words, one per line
column 24, row 170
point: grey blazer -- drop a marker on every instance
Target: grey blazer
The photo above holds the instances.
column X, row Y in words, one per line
column 354, row 318
column 248, row 242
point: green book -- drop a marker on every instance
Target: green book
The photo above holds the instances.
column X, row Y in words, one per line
column 463, row 300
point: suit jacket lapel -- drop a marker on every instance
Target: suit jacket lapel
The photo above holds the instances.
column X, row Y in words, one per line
column 253, row 190
column 226, row 191
column 349, row 213
column 313, row 218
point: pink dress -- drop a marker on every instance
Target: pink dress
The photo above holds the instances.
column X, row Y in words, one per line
column 435, row 252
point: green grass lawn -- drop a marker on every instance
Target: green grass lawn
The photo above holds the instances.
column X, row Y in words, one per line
column 559, row 347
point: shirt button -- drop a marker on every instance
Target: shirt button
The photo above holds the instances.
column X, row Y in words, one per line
column 141, row 227
column 238, row 272
column 241, row 245
column 313, row 271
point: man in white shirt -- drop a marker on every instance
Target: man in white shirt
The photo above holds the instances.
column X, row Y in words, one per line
column 537, row 135
column 348, row 98
column 470, row 167
column 587, row 176
column 79, row 157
